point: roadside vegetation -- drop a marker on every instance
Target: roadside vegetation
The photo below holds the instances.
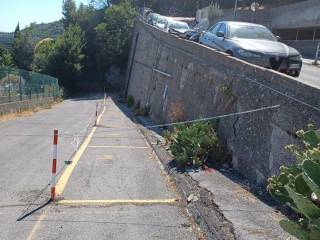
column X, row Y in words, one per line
column 195, row 145
column 5, row 57
column 298, row 186
column 92, row 38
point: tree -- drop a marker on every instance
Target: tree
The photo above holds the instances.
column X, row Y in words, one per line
column 100, row 4
column 17, row 31
column 43, row 52
column 69, row 12
column 114, row 34
column 88, row 19
column 65, row 59
column 22, row 48
column 5, row 57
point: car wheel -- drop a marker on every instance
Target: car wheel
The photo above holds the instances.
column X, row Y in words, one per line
column 229, row 52
column 294, row 74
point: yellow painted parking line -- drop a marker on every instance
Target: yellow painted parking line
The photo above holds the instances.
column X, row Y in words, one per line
column 61, row 184
column 108, row 135
column 116, row 202
column 105, row 157
column 36, row 226
column 122, row 147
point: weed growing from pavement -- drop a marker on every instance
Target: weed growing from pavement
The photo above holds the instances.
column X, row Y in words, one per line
column 194, row 145
column 130, row 101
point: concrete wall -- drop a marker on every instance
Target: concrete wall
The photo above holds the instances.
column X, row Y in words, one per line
column 183, row 80
column 299, row 15
column 18, row 107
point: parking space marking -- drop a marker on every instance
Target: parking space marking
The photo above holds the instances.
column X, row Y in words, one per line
column 61, row 184
column 116, row 202
column 105, row 157
column 36, row 226
column 121, row 147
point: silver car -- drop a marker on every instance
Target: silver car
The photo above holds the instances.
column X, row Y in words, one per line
column 177, row 27
column 162, row 22
column 255, row 44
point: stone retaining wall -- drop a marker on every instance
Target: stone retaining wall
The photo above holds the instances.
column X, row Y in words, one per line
column 182, row 80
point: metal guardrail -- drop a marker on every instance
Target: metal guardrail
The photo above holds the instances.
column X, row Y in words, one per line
column 18, row 85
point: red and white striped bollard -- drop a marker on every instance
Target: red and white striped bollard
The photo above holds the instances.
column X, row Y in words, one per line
column 54, row 165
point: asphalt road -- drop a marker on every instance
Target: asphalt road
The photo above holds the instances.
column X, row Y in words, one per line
column 100, row 190
column 310, row 75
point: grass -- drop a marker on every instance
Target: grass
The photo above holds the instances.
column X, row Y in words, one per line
column 29, row 112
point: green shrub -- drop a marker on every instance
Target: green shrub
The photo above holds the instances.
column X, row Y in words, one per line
column 130, row 101
column 298, row 186
column 194, row 144
column 141, row 112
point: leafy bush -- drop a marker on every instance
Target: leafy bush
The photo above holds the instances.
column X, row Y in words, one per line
column 130, row 101
column 298, row 186
column 194, row 144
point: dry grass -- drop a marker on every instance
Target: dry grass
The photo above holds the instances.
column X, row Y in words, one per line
column 28, row 113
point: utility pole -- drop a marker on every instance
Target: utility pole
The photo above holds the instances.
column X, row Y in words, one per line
column 235, row 10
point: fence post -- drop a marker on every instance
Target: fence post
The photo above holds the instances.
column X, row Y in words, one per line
column 9, row 86
column 54, row 165
column 20, row 88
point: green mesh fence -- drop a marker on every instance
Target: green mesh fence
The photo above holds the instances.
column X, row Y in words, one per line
column 18, row 85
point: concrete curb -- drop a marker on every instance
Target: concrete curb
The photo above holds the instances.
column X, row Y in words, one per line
column 203, row 209
column 219, row 212
column 310, row 62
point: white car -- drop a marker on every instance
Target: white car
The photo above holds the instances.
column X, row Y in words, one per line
column 162, row 22
column 177, row 27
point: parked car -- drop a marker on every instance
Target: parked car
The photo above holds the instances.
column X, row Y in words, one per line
column 255, row 44
column 145, row 13
column 194, row 33
column 162, row 22
column 177, row 27
column 152, row 18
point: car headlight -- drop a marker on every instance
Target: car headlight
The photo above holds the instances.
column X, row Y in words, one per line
column 248, row 54
column 296, row 58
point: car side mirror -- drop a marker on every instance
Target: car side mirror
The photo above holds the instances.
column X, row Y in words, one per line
column 278, row 38
column 220, row 34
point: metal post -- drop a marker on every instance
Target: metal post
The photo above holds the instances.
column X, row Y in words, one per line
column 20, row 89
column 317, row 54
column 96, row 121
column 9, row 87
column 235, row 10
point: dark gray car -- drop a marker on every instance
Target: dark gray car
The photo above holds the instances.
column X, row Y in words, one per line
column 255, row 44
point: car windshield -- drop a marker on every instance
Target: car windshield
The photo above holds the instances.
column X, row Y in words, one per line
column 178, row 25
column 251, row 32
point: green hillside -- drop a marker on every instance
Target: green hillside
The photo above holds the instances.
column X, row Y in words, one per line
column 6, row 39
column 45, row 30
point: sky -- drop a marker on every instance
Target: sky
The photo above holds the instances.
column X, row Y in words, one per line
column 28, row 11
